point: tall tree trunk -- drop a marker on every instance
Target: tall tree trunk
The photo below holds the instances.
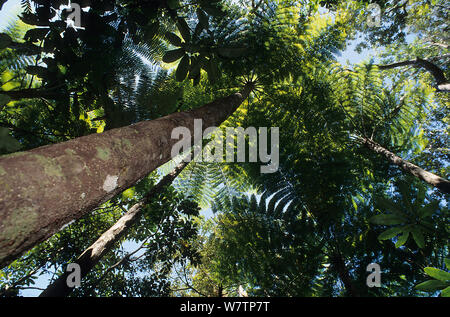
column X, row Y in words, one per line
column 48, row 187
column 344, row 275
column 92, row 255
column 434, row 180
column 442, row 84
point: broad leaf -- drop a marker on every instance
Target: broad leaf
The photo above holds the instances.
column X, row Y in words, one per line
column 183, row 27
column 437, row 274
column 387, row 219
column 173, row 39
column 183, row 68
column 7, row 143
column 428, row 210
column 174, row 55
column 196, row 65
column 390, row 233
column 402, row 239
column 386, row 204
column 418, row 237
column 431, row 286
column 446, row 292
column 203, row 18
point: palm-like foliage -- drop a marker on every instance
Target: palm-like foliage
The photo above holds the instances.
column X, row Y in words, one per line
column 260, row 244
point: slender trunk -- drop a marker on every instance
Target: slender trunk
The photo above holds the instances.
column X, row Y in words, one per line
column 442, row 83
column 344, row 276
column 92, row 255
column 434, row 180
column 45, row 188
column 220, row 291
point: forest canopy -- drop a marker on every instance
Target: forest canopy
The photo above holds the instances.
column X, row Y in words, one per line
column 347, row 100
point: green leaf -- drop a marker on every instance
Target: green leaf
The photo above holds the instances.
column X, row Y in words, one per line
column 183, row 68
column 402, row 239
column 174, row 55
column 387, row 219
column 203, row 18
column 447, row 263
column 184, row 29
column 428, row 210
column 390, row 233
column 437, row 274
column 5, row 40
column 4, row 99
column 431, row 286
column 446, row 292
column 418, row 237
column 7, row 143
column 173, row 39
column 420, row 198
column 196, row 65
column 386, row 204
column 355, row 205
column 129, row 193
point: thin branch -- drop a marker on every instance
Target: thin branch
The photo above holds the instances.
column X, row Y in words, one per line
column 441, row 81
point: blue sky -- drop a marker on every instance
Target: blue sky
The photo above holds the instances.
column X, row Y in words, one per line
column 9, row 9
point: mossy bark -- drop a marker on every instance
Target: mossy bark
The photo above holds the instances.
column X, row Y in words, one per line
column 92, row 255
column 44, row 189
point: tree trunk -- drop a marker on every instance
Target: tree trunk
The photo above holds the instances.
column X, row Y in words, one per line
column 442, row 84
column 45, row 188
column 344, row 275
column 92, row 255
column 441, row 183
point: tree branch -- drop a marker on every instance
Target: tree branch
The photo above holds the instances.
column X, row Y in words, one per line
column 441, row 81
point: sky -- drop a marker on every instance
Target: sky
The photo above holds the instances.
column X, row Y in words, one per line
column 12, row 7
column 9, row 9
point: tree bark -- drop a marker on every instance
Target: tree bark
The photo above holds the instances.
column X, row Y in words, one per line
column 442, row 83
column 46, row 188
column 92, row 255
column 344, row 275
column 434, row 180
